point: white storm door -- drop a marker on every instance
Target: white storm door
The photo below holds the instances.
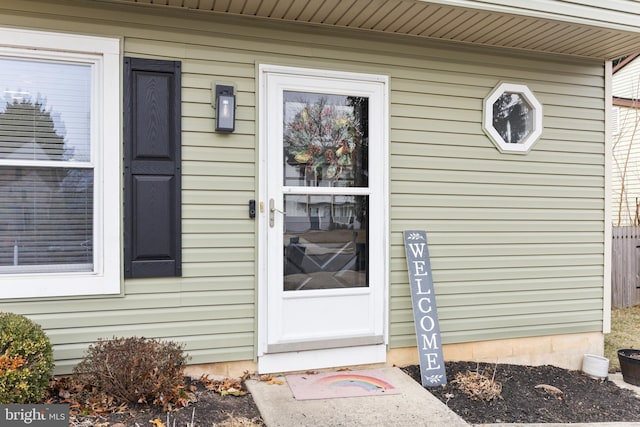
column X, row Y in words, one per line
column 323, row 225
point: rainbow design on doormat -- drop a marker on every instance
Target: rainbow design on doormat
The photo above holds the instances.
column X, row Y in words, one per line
column 353, row 380
column 330, row 385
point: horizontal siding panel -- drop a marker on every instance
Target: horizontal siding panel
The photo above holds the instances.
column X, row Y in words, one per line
column 458, row 318
column 68, row 356
column 522, row 202
column 523, row 69
column 478, row 86
column 202, row 240
column 221, row 168
column 226, row 268
column 574, row 124
column 435, row 100
column 506, row 250
column 497, row 226
column 403, row 335
column 435, row 113
column 487, row 172
column 514, row 190
column 549, row 311
column 218, row 68
column 215, row 211
column 207, row 197
column 463, row 262
column 227, row 354
column 218, row 254
column 230, row 183
column 521, row 320
column 515, row 237
column 431, row 212
column 480, row 327
column 449, row 304
column 220, row 341
column 213, row 283
column 574, row 283
column 218, row 225
column 198, row 139
column 573, row 105
column 160, row 330
column 188, row 311
column 553, row 150
column 534, row 289
column 477, row 147
column 150, row 299
column 441, row 277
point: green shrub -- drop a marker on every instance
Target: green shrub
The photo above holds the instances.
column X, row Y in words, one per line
column 26, row 360
column 134, row 370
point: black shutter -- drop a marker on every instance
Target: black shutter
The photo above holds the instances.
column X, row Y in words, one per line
column 152, row 210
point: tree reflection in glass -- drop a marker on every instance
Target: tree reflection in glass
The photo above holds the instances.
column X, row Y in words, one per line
column 512, row 117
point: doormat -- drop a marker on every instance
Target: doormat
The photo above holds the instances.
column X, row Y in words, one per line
column 330, row 385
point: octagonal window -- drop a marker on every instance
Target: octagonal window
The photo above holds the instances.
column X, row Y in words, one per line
column 512, row 118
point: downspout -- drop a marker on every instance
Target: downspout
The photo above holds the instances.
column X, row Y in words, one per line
column 608, row 224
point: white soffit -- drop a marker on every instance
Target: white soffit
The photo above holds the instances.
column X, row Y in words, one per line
column 551, row 26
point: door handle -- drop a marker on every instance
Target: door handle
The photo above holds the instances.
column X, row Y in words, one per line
column 272, row 212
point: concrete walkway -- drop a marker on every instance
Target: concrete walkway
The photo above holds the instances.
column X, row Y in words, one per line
column 414, row 407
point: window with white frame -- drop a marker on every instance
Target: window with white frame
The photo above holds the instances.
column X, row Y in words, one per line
column 512, row 118
column 59, row 164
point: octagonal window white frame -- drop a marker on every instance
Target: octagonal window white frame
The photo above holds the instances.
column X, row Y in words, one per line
column 525, row 145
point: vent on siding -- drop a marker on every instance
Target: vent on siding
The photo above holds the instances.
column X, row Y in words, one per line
column 615, row 120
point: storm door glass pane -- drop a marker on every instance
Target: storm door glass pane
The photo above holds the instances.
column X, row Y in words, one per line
column 325, row 242
column 325, row 140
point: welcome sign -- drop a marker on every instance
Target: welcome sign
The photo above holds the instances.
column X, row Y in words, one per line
column 432, row 369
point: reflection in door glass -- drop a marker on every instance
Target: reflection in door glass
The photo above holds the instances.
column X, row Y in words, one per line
column 325, row 242
column 325, row 140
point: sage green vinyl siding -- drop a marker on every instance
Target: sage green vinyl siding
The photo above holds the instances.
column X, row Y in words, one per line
column 516, row 241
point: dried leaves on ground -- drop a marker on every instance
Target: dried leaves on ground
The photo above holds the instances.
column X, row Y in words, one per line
column 211, row 402
column 531, row 394
column 501, row 393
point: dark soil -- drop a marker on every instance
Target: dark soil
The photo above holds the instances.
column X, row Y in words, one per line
column 566, row 397
column 580, row 398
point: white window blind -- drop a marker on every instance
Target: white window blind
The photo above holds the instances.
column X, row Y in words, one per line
column 46, row 169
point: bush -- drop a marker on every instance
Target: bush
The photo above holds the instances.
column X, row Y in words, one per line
column 135, row 370
column 26, row 360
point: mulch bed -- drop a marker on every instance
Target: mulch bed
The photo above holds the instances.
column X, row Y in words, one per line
column 534, row 394
column 527, row 394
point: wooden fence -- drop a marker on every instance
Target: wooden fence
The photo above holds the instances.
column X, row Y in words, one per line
column 625, row 264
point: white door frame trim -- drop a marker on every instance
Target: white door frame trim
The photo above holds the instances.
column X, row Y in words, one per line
column 281, row 362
